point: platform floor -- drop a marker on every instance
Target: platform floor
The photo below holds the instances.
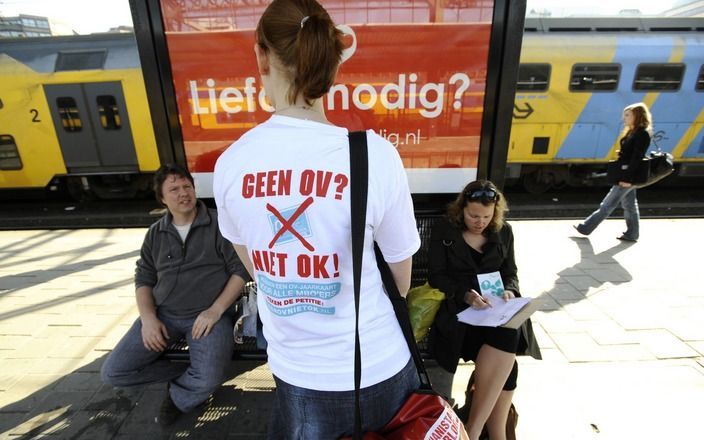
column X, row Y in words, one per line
column 620, row 328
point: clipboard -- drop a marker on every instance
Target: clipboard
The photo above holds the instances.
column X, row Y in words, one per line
column 502, row 314
column 523, row 314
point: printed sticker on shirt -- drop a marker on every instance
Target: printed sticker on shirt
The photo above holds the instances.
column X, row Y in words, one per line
column 491, row 284
column 285, row 298
column 314, row 183
column 290, row 224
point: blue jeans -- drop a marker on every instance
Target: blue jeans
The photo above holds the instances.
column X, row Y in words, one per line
column 303, row 414
column 131, row 364
column 627, row 198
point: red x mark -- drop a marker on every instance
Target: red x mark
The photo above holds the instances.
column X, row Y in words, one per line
column 287, row 225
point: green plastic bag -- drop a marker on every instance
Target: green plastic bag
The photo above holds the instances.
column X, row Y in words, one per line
column 423, row 303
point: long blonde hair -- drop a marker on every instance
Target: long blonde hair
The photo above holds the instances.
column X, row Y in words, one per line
column 641, row 118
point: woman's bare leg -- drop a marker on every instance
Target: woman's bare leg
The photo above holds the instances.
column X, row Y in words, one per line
column 496, row 423
column 491, row 370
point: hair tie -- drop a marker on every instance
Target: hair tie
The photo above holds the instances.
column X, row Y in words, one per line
column 303, row 20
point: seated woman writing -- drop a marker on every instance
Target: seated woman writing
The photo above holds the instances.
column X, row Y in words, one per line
column 472, row 240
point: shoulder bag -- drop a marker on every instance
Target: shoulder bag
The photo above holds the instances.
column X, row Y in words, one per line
column 425, row 414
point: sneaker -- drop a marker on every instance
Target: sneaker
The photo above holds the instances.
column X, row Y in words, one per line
column 169, row 412
column 576, row 228
column 624, row 237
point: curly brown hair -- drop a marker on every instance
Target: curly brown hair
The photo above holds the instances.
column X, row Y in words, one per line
column 455, row 210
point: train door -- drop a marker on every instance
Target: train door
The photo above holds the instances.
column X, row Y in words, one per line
column 92, row 127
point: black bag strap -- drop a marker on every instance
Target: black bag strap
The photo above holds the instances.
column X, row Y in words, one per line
column 358, row 204
column 359, row 177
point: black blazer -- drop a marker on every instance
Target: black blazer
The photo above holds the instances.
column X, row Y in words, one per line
column 633, row 149
column 453, row 270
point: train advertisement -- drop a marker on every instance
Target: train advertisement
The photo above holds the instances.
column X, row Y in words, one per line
column 414, row 72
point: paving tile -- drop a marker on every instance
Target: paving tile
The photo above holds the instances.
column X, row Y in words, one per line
column 664, row 344
column 544, row 340
column 608, row 332
column 613, row 273
column 688, row 328
column 582, row 310
column 547, row 303
column 115, row 400
column 20, row 400
column 36, row 348
column 627, row 352
column 557, row 321
column 8, row 380
column 59, row 366
column 565, row 291
column 85, row 425
column 582, row 283
column 79, row 382
column 73, row 401
column 698, row 346
column 579, row 347
column 140, row 421
column 8, row 420
column 74, row 347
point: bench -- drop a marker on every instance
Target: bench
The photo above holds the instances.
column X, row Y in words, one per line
column 419, row 275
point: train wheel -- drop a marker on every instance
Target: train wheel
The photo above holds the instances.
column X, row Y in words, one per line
column 78, row 189
column 537, row 182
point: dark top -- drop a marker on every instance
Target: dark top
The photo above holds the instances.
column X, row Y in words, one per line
column 633, row 149
column 453, row 270
column 187, row 277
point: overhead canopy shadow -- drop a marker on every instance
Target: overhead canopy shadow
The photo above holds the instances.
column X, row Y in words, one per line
column 79, row 406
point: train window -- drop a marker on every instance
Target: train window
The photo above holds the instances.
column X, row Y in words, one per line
column 80, row 60
column 533, row 77
column 68, row 111
column 700, row 80
column 661, row 77
column 108, row 112
column 594, row 77
column 9, row 155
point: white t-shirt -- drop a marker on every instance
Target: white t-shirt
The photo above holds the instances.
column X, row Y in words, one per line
column 182, row 230
column 282, row 190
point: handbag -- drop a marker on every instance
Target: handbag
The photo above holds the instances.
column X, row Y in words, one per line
column 463, row 413
column 423, row 304
column 660, row 165
column 424, row 414
column 615, row 172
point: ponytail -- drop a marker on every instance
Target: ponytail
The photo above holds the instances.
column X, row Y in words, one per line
column 305, row 40
column 318, row 47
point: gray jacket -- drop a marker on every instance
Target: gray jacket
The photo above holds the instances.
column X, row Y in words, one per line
column 186, row 278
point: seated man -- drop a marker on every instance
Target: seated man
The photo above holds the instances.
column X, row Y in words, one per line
column 187, row 276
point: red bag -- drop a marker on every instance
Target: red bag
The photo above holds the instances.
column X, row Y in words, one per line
column 424, row 415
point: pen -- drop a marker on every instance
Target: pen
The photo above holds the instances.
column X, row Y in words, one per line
column 481, row 298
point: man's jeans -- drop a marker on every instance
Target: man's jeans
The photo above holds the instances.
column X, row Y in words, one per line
column 627, row 198
column 303, row 414
column 131, row 364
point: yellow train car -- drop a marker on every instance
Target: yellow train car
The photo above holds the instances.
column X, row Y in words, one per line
column 73, row 112
column 575, row 78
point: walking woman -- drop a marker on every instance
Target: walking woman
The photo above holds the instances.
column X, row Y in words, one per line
column 473, row 240
column 634, row 144
column 283, row 200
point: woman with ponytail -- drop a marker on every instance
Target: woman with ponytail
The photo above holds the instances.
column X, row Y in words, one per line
column 283, row 198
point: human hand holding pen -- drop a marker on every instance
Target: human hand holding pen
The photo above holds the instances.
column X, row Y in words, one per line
column 475, row 300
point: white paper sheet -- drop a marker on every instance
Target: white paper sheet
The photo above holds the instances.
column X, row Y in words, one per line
column 499, row 314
